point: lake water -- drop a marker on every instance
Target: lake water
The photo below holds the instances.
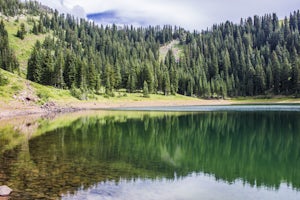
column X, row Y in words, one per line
column 239, row 153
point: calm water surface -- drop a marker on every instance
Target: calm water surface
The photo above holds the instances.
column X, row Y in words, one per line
column 224, row 154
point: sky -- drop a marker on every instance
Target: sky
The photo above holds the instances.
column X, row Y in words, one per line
column 189, row 14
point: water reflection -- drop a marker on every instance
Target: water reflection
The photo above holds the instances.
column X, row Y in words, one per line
column 192, row 187
column 163, row 150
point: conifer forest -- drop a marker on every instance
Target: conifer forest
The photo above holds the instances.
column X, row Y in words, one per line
column 258, row 56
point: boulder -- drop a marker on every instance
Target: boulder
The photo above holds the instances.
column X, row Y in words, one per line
column 5, row 190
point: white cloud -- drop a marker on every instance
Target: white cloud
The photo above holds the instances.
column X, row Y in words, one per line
column 60, row 5
column 191, row 14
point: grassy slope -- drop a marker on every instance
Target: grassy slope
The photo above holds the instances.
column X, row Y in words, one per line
column 16, row 85
column 22, row 48
column 174, row 45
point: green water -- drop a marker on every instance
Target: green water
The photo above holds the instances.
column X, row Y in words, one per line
column 196, row 155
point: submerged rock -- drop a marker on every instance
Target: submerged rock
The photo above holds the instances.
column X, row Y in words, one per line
column 5, row 190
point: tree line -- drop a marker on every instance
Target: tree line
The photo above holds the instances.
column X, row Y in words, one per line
column 258, row 56
column 83, row 55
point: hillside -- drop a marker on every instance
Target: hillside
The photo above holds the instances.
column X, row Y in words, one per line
column 22, row 48
column 83, row 61
column 20, row 97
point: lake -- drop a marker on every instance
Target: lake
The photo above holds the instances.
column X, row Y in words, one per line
column 238, row 152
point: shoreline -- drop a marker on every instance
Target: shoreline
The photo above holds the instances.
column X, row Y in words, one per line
column 15, row 109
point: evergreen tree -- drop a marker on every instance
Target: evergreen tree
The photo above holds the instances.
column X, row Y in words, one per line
column 47, row 68
column 35, row 28
column 21, row 31
column 285, row 76
column 276, row 72
column 145, row 89
column 296, row 77
column 8, row 60
column 34, row 69
column 259, row 80
column 148, row 77
column 92, row 75
column 58, row 79
column 70, row 69
column 166, row 84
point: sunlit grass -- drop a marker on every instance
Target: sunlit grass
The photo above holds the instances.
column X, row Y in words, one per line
column 49, row 93
column 14, row 86
column 22, row 48
column 265, row 100
column 123, row 96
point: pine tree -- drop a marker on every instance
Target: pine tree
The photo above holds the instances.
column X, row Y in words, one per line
column 296, row 77
column 34, row 69
column 109, row 79
column 166, row 84
column 8, row 60
column 35, row 28
column 81, row 76
column 226, row 64
column 117, row 75
column 174, row 80
column 21, row 31
column 190, row 87
column 98, row 85
column 276, row 72
column 47, row 68
column 148, row 77
column 269, row 77
column 285, row 76
column 250, row 79
column 58, row 79
column 145, row 90
column 259, row 80
column 92, row 75
column 70, row 69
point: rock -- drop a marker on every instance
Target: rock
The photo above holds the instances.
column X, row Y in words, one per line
column 5, row 190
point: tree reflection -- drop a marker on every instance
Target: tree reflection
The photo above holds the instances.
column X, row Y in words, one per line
column 262, row 149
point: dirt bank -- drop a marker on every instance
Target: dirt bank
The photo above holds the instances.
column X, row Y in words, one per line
column 17, row 108
column 21, row 108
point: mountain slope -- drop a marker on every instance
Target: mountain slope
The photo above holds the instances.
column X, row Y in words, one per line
column 259, row 56
column 22, row 48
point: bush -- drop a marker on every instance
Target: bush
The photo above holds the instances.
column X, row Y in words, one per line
column 3, row 80
column 78, row 93
column 75, row 92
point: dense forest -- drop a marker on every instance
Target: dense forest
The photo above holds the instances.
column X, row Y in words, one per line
column 259, row 56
